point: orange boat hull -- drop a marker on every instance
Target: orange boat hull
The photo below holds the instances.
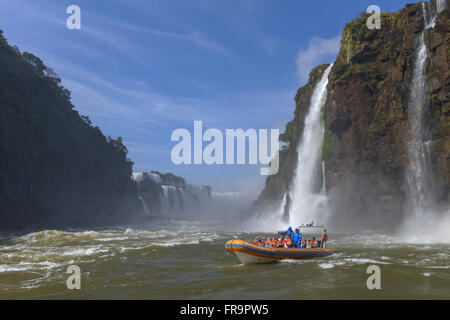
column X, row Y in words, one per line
column 250, row 253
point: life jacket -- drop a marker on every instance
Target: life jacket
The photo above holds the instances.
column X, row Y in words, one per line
column 255, row 242
column 266, row 243
column 314, row 244
column 272, row 243
column 288, row 242
column 324, row 236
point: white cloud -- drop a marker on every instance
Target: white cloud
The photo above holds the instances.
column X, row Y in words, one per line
column 318, row 51
column 195, row 37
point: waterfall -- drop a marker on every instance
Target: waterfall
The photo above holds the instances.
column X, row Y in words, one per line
column 418, row 173
column 305, row 201
column 429, row 15
column 144, row 206
column 324, row 178
column 280, row 211
column 166, row 193
column 440, row 5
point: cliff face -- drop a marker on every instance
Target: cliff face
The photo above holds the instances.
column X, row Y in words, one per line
column 56, row 169
column 367, row 116
column 438, row 71
column 366, row 119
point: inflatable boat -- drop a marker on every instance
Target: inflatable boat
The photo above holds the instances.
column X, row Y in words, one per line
column 249, row 253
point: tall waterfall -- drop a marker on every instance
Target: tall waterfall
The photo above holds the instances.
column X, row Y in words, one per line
column 440, row 5
column 305, row 201
column 418, row 173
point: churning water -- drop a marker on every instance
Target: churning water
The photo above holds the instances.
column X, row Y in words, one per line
column 175, row 259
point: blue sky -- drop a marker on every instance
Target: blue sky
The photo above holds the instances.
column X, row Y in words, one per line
column 140, row 69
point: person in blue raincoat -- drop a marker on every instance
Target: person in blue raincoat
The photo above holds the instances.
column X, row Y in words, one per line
column 290, row 233
column 297, row 238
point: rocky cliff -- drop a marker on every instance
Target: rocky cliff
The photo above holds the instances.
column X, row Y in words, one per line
column 56, row 169
column 366, row 119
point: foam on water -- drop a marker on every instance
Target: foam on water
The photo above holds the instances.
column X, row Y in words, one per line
column 326, row 265
column 364, row 261
column 177, row 248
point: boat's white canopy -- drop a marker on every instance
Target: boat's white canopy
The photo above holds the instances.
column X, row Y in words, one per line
column 312, row 230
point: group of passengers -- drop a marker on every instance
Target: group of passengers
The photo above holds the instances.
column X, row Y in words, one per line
column 293, row 240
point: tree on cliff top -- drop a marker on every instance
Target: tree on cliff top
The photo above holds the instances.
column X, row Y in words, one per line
column 55, row 166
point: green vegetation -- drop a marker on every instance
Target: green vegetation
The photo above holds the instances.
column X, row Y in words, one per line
column 55, row 167
column 326, row 136
column 394, row 19
column 345, row 71
column 289, row 132
column 316, row 71
column 357, row 30
column 326, row 144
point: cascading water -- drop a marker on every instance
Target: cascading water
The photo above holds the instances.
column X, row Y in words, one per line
column 144, row 207
column 440, row 5
column 174, row 194
column 305, row 201
column 429, row 15
column 280, row 211
column 418, row 173
column 324, row 178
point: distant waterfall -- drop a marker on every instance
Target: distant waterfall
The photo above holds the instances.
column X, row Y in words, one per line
column 183, row 198
column 429, row 14
column 418, row 173
column 440, row 5
column 144, row 207
column 166, row 193
column 305, row 201
column 282, row 206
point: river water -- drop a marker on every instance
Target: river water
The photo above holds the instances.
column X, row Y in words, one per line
column 177, row 259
